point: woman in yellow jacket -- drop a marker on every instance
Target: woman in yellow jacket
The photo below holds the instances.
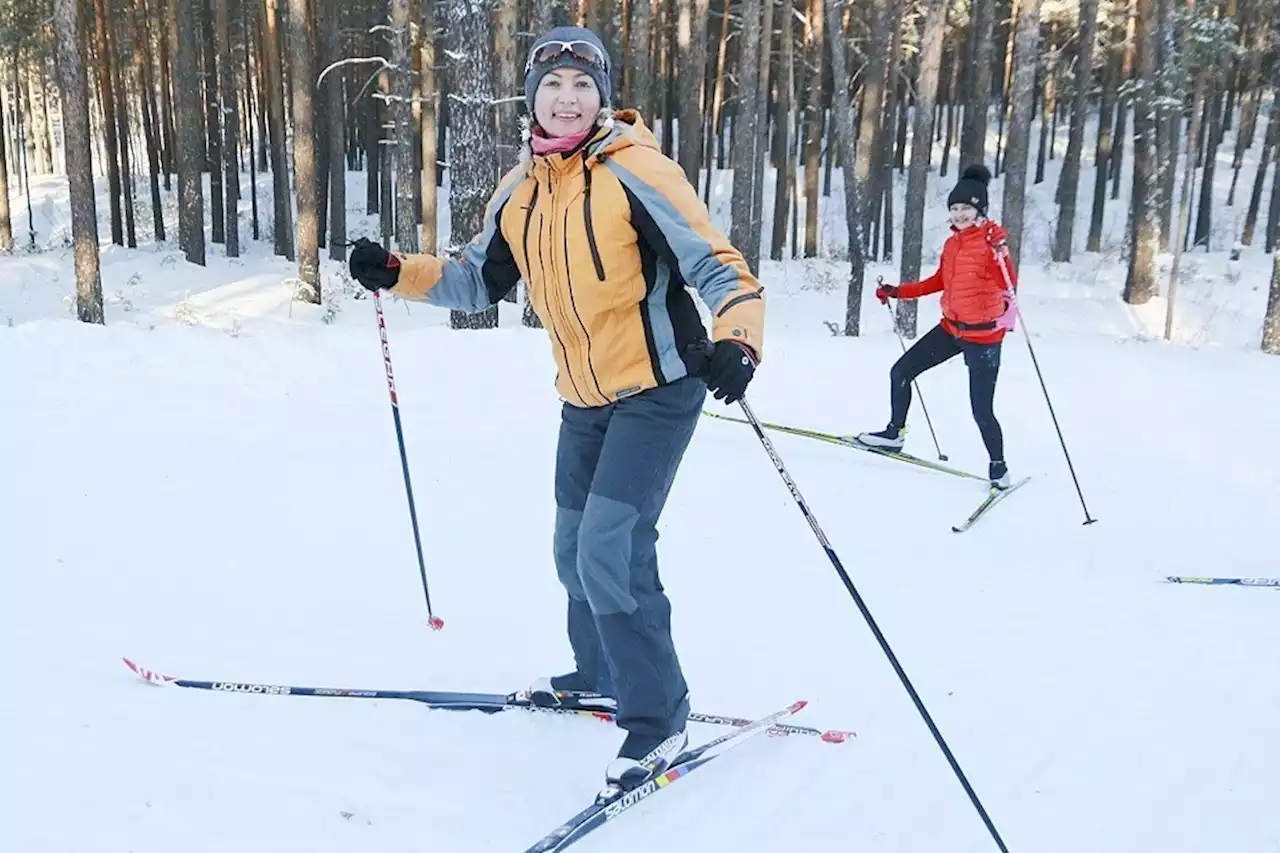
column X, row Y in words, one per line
column 606, row 233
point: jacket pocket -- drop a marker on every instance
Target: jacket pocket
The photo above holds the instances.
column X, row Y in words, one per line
column 591, row 231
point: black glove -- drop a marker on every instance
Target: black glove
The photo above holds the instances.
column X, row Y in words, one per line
column 373, row 266
column 729, row 370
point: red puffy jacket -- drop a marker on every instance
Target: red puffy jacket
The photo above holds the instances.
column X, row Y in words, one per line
column 973, row 288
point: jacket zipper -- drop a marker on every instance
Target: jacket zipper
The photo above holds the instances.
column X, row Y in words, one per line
column 568, row 281
column 546, row 298
column 528, row 218
column 591, row 231
column 735, row 300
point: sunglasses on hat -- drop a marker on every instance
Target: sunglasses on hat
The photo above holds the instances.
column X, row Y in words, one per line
column 582, row 50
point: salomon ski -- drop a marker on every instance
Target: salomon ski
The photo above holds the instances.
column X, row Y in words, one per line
column 489, row 703
column 1274, row 582
column 606, row 808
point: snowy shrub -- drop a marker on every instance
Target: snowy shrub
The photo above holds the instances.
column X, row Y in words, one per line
column 184, row 313
column 818, row 277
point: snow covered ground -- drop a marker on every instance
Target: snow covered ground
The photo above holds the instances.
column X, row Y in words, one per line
column 210, row 484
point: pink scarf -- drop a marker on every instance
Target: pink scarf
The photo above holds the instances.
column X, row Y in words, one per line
column 543, row 144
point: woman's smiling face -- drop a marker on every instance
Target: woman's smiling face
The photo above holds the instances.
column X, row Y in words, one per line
column 567, row 102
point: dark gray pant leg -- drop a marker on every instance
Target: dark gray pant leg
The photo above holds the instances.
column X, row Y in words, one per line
column 617, row 552
column 582, row 433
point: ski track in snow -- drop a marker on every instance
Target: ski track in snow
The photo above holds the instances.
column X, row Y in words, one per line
column 231, row 507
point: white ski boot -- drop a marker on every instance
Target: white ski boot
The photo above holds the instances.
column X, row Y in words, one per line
column 639, row 760
column 890, row 438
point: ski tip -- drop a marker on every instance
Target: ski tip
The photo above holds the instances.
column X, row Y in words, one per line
column 436, row 623
column 148, row 675
column 837, row 736
column 796, row 706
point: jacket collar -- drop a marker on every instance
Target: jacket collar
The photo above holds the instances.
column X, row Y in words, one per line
column 615, row 130
column 967, row 233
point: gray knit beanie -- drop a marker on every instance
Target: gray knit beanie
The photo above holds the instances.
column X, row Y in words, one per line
column 567, row 59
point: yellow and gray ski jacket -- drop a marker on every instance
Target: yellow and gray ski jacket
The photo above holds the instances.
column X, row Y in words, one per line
column 606, row 238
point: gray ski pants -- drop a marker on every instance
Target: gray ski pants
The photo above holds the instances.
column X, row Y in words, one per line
column 614, row 468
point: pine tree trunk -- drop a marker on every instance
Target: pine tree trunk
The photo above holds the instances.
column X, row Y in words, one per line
column 882, row 209
column 641, row 63
column 168, row 124
column 252, row 105
column 336, row 132
column 231, row 125
column 1026, row 57
column 283, row 225
column 973, row 137
column 74, row 87
column 150, row 118
column 386, row 165
column 784, row 139
column 762, row 119
column 1069, row 179
column 415, row 111
column 1170, row 124
column 430, row 130
column 1116, row 163
column 935, row 26
column 189, row 141
column 6, row 224
column 541, row 23
column 41, row 132
column 319, row 61
column 952, row 97
column 1006, row 85
column 853, row 203
column 1184, row 206
column 1204, row 209
column 302, row 71
column 1106, row 114
column 872, row 110
column 471, row 149
column 374, row 116
column 107, row 93
column 1140, row 283
column 1273, row 217
column 1271, row 320
column 508, row 83
column 814, row 53
column 691, row 39
column 1268, row 151
column 746, row 132
column 541, row 19
column 1048, row 107
column 213, row 125
column 401, row 151
column 123, row 134
column 261, row 78
column 717, row 105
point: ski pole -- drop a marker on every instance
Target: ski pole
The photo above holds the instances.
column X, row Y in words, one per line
column 434, row 621
column 1001, row 253
column 894, row 321
column 871, row 622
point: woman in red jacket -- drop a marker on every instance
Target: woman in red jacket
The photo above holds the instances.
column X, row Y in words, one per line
column 977, row 309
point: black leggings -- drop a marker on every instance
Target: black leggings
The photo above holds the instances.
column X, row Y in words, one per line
column 983, row 361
